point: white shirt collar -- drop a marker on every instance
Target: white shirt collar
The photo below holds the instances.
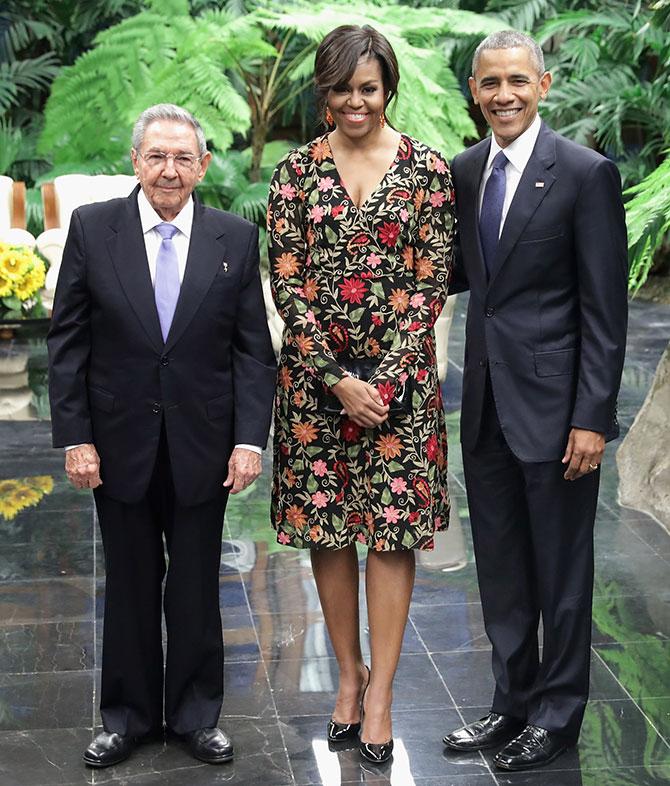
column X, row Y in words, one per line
column 149, row 218
column 519, row 151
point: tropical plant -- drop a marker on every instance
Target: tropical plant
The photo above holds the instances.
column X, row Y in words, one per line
column 245, row 72
column 648, row 219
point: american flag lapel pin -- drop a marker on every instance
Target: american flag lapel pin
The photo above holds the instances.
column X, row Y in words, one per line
column 539, row 184
column 225, row 267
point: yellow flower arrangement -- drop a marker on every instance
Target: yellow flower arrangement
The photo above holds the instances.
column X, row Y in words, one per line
column 22, row 275
column 19, row 493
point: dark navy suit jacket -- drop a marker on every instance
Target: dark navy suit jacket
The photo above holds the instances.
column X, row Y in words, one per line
column 113, row 381
column 550, row 322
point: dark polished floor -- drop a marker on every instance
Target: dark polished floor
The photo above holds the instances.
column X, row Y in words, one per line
column 280, row 674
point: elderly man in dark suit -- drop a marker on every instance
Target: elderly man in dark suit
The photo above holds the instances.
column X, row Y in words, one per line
column 543, row 253
column 161, row 382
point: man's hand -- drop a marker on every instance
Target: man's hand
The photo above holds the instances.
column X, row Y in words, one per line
column 244, row 467
column 361, row 402
column 584, row 452
column 82, row 466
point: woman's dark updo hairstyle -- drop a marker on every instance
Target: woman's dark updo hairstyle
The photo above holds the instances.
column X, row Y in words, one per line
column 338, row 55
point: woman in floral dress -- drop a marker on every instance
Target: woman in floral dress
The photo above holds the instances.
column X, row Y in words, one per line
column 360, row 226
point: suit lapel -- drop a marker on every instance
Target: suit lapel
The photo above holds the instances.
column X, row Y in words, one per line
column 206, row 253
column 129, row 257
column 528, row 197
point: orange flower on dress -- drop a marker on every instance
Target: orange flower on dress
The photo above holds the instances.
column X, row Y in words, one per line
column 287, row 265
column 310, row 289
column 369, row 522
column 304, row 432
column 280, row 226
column 305, row 344
column 399, row 300
column 388, row 446
column 424, row 268
column 289, row 478
column 320, row 150
column 425, row 232
column 285, row 379
column 310, row 237
column 408, row 257
column 299, row 398
column 372, row 347
column 418, row 198
column 296, row 517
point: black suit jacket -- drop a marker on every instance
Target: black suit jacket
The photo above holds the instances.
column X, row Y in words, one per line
column 113, row 380
column 550, row 324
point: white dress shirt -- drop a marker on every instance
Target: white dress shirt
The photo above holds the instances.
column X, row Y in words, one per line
column 518, row 153
column 149, row 220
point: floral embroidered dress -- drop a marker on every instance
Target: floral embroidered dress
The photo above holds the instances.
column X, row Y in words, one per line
column 354, row 283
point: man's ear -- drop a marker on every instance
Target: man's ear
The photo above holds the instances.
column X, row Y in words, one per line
column 545, row 84
column 472, row 83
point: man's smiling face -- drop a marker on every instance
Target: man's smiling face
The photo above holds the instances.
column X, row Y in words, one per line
column 508, row 89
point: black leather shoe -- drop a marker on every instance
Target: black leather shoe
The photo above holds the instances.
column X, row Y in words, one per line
column 108, row 749
column 209, row 745
column 487, row 732
column 534, row 747
column 376, row 753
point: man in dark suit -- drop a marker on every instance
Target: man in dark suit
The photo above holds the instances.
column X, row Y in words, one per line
column 543, row 253
column 161, row 382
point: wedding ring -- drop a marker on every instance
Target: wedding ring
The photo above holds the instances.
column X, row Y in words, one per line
column 593, row 466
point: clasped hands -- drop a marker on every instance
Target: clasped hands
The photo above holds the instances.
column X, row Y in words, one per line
column 361, row 402
column 82, row 467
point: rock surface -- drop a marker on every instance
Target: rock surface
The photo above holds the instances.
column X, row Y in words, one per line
column 643, row 458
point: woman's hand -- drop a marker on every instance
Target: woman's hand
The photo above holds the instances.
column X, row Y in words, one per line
column 361, row 402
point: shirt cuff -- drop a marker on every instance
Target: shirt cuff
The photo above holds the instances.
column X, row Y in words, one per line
column 72, row 447
column 253, row 448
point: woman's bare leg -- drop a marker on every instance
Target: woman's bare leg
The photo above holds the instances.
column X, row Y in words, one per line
column 389, row 580
column 336, row 576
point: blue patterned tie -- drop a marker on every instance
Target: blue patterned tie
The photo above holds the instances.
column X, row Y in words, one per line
column 166, row 284
column 491, row 212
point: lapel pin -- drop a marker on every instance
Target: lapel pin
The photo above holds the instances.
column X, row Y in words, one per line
column 539, row 184
column 225, row 267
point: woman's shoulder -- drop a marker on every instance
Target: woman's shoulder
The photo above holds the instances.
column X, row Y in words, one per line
column 309, row 153
column 423, row 154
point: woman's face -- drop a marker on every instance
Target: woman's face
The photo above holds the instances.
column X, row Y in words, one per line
column 357, row 106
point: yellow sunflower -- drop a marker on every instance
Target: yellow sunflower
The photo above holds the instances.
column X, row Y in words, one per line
column 13, row 265
column 24, row 497
column 7, row 509
column 5, row 286
column 9, row 485
column 45, row 483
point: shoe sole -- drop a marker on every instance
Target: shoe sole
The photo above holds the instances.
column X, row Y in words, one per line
column 98, row 765
column 217, row 760
column 530, row 766
column 472, row 748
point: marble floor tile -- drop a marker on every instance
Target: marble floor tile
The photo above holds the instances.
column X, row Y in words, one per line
column 46, row 647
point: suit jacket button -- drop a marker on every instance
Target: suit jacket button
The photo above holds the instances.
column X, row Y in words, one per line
column 165, row 360
column 156, row 408
column 482, row 363
column 490, row 311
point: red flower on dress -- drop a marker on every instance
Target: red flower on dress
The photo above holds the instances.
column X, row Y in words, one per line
column 350, row 431
column 336, row 210
column 339, row 336
column 422, row 491
column 387, row 391
column 413, row 516
column 353, row 289
column 388, row 233
column 421, row 374
column 432, row 448
column 342, row 472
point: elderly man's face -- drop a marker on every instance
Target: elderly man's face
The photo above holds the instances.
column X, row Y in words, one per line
column 169, row 182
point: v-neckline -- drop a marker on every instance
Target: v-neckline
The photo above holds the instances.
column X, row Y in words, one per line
column 361, row 207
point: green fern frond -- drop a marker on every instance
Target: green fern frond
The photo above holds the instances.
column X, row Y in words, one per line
column 648, row 220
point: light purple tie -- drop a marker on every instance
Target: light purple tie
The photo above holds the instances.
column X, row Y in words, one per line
column 166, row 285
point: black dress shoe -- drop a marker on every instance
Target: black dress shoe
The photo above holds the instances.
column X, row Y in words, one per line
column 534, row 747
column 109, row 748
column 487, row 732
column 376, row 753
column 209, row 745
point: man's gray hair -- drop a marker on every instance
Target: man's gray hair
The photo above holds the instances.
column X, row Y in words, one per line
column 507, row 39
column 167, row 112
